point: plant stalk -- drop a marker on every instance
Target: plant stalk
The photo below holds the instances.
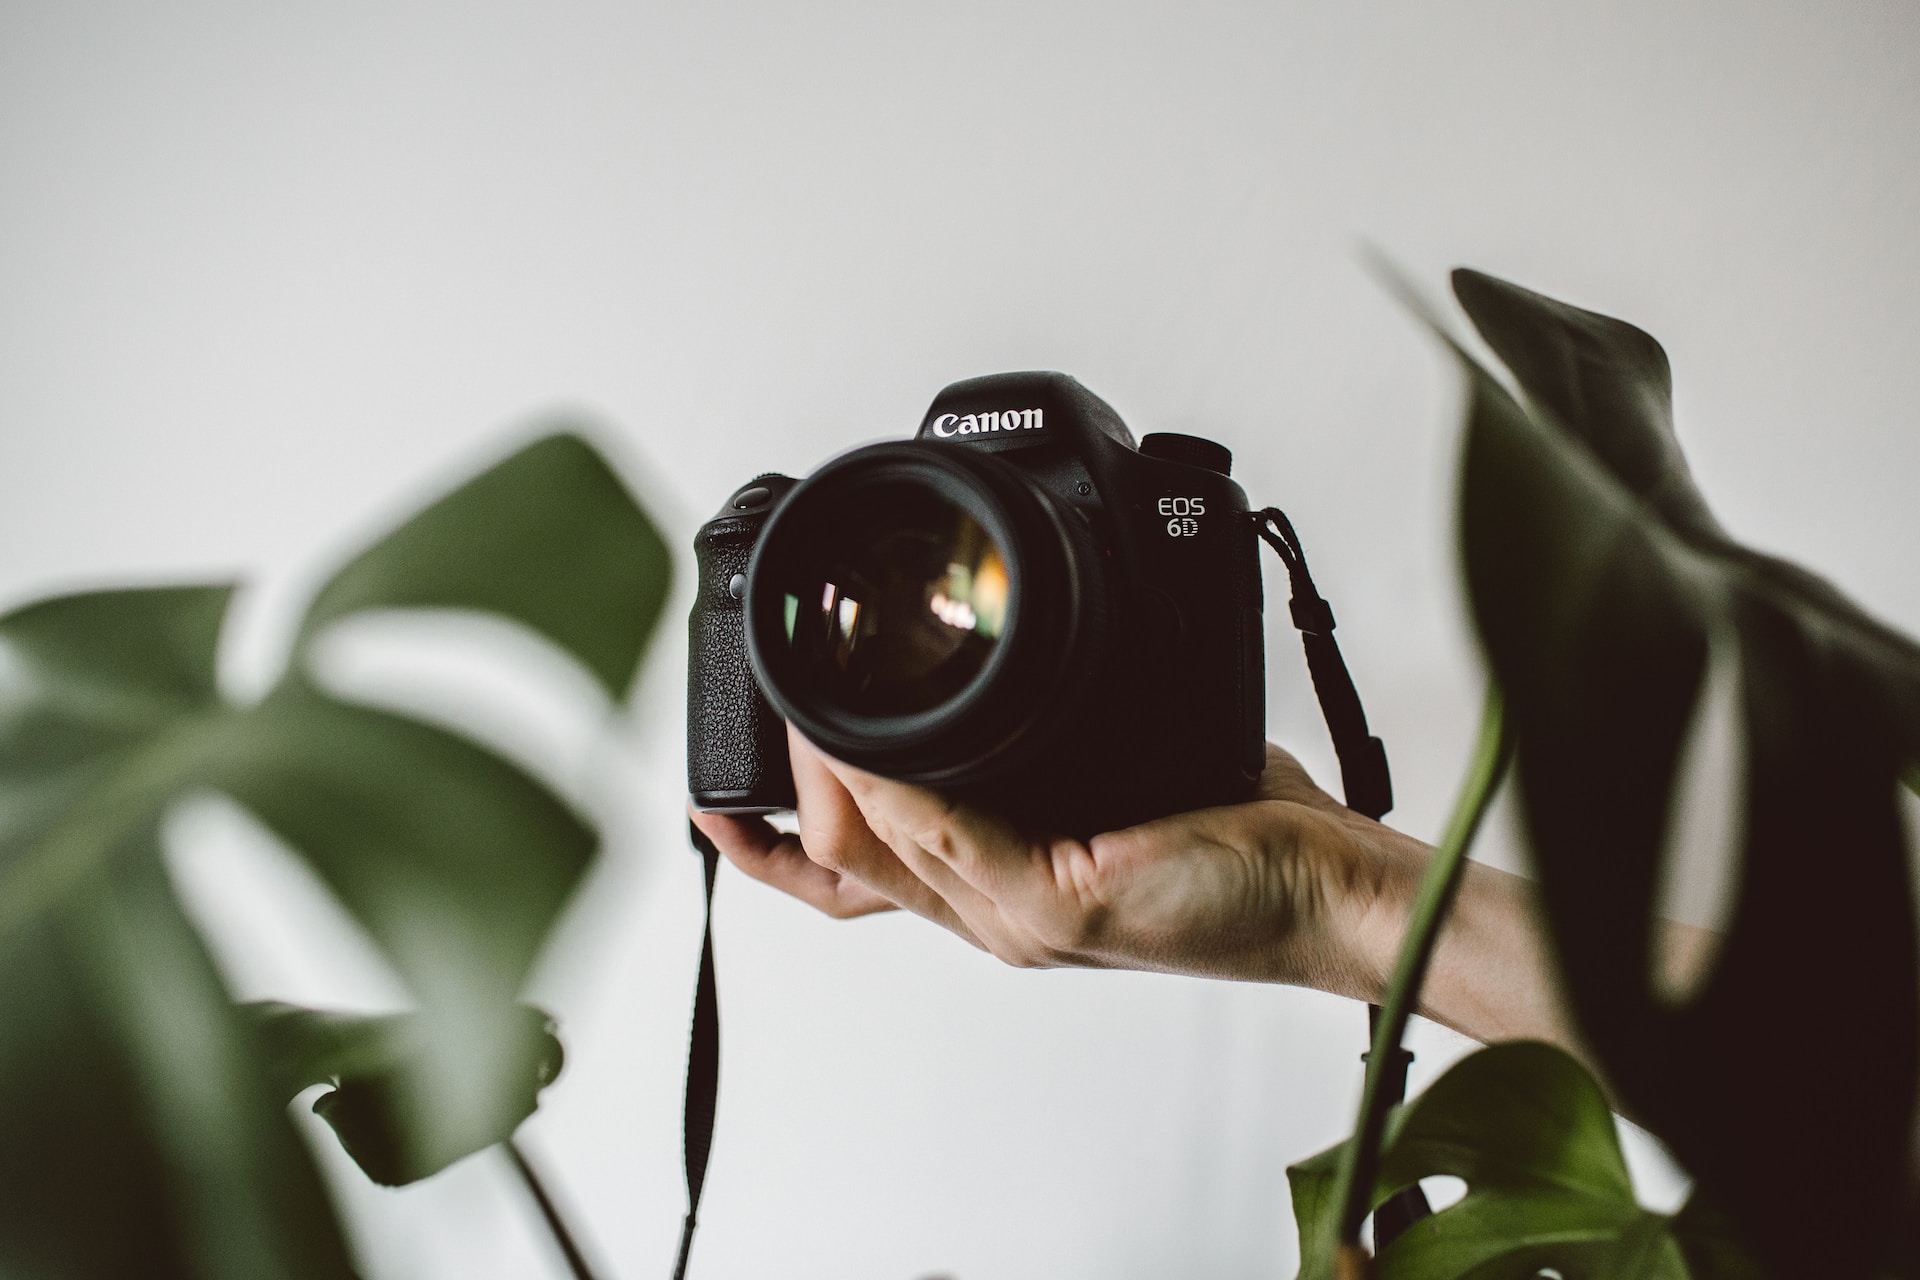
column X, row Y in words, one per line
column 1360, row 1166
column 556, row 1225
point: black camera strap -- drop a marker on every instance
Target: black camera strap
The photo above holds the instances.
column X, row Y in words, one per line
column 1363, row 757
column 703, row 1060
column 1364, row 778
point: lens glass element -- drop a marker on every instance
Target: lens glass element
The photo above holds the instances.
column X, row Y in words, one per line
column 899, row 606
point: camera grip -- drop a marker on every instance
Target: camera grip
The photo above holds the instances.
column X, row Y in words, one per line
column 736, row 743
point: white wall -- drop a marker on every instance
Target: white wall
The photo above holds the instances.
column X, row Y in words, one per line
column 265, row 271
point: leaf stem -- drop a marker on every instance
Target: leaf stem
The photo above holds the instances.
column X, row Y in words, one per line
column 1360, row 1164
column 556, row 1225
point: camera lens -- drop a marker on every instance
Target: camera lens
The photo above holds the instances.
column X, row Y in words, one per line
column 914, row 608
column 911, row 600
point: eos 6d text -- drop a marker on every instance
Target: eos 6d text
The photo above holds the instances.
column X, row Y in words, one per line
column 1183, row 525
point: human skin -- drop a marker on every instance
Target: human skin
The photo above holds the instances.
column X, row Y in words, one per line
column 1291, row 887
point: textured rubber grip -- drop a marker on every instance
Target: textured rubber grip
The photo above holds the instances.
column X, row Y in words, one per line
column 736, row 742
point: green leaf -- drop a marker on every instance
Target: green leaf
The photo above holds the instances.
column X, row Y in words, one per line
column 1315, row 1184
column 441, row 848
column 1711, row 1243
column 549, row 538
column 374, row 1064
column 1529, row 1132
column 104, row 699
column 455, row 860
column 1600, row 584
column 137, row 1134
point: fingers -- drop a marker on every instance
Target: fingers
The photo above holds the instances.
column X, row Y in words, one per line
column 984, row 852
column 836, row 834
column 1029, row 902
column 752, row 845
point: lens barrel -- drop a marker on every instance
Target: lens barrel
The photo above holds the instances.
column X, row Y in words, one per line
column 925, row 612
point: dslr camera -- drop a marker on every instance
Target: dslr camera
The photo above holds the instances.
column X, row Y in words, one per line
column 1021, row 607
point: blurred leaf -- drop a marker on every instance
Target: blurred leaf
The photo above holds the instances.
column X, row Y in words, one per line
column 1528, row 1131
column 373, row 1061
column 1711, row 1243
column 455, row 860
column 549, row 538
column 104, row 699
column 1600, row 583
column 137, row 1134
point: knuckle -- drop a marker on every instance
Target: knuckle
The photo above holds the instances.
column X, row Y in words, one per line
column 1012, row 952
column 935, row 833
column 826, row 851
column 1023, row 953
column 1064, row 932
column 1071, row 933
column 827, row 844
column 938, row 841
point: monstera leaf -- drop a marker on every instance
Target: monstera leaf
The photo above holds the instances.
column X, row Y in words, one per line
column 1528, row 1131
column 1601, row 586
column 139, row 1133
column 367, row 1059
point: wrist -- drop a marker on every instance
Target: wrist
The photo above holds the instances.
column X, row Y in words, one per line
column 1382, row 870
column 1489, row 976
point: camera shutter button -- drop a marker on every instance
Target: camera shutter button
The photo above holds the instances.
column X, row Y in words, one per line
column 754, row 497
column 1192, row 450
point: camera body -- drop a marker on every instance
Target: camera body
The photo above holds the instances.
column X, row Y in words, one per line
column 1093, row 656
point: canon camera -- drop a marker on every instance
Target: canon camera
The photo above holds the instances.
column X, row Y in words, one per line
column 1020, row 607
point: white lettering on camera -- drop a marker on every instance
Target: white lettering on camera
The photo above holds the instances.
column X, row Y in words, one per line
column 1183, row 510
column 948, row 425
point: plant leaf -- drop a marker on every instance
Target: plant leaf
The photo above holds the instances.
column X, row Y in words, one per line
column 1711, row 1243
column 102, row 696
column 455, row 860
column 549, row 538
column 1600, row 584
column 373, row 1062
column 140, row 1138
column 1528, row 1130
column 1315, row 1186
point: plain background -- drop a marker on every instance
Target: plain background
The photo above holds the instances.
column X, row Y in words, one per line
column 271, row 273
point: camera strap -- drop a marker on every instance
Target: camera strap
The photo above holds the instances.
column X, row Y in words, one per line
column 1363, row 777
column 1363, row 757
column 703, row 1059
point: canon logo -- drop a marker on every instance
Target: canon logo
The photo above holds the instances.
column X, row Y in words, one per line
column 948, row 425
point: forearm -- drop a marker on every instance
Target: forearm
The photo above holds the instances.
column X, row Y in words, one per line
column 1491, row 976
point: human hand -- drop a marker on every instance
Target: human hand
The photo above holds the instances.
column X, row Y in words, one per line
column 1283, row 888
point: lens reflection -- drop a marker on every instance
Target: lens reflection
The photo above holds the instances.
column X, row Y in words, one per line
column 902, row 608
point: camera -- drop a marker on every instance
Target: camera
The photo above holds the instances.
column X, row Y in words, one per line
column 1020, row 607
